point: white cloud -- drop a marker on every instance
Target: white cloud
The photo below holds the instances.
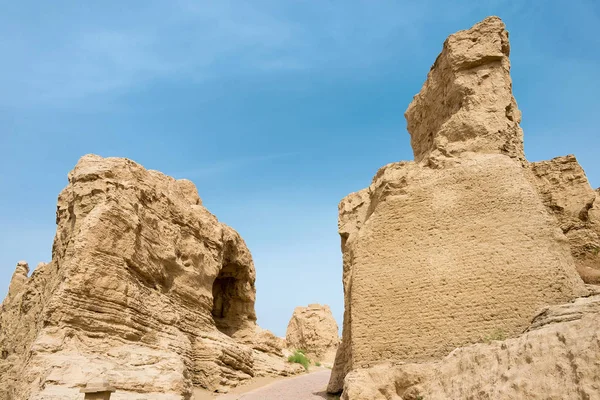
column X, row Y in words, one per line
column 104, row 50
column 187, row 40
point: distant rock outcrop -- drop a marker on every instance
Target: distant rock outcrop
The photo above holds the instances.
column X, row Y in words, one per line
column 557, row 358
column 454, row 246
column 313, row 330
column 146, row 289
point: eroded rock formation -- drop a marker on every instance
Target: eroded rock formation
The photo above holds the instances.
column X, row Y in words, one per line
column 146, row 289
column 466, row 103
column 557, row 358
column 314, row 330
column 445, row 250
column 567, row 194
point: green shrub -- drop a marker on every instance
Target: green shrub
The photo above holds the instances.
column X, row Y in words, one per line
column 318, row 364
column 299, row 358
column 497, row 334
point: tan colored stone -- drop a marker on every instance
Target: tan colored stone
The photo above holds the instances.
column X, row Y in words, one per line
column 97, row 385
column 567, row 194
column 557, row 358
column 267, row 342
column 18, row 280
column 466, row 103
column 146, row 288
column 313, row 330
column 352, row 212
column 444, row 256
column 443, row 251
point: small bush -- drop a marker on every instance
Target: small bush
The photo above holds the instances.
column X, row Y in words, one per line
column 299, row 358
column 318, row 364
column 497, row 334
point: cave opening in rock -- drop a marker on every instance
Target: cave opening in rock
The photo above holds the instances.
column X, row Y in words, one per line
column 229, row 304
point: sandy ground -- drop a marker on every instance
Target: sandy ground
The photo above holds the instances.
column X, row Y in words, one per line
column 201, row 394
column 303, row 387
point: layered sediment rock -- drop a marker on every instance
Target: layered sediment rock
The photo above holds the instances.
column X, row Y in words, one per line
column 314, row 330
column 146, row 289
column 458, row 244
column 557, row 358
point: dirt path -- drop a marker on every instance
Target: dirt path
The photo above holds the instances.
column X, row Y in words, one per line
column 304, row 387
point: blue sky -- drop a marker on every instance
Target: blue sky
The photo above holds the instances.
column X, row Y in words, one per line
column 275, row 109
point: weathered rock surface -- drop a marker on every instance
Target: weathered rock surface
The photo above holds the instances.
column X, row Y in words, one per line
column 567, row 194
column 557, row 358
column 437, row 258
column 443, row 251
column 146, row 289
column 314, row 330
column 466, row 103
column 18, row 280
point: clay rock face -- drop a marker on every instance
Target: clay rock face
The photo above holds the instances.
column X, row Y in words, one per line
column 314, row 330
column 458, row 244
column 557, row 358
column 466, row 104
column 267, row 342
column 146, row 289
column 18, row 280
column 567, row 194
column 436, row 258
